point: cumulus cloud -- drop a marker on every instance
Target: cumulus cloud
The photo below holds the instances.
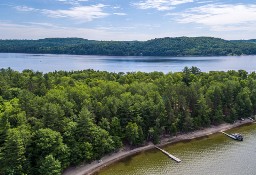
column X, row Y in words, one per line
column 72, row 2
column 204, row 2
column 47, row 30
column 81, row 13
column 221, row 16
column 85, row 13
column 120, row 14
column 25, row 8
column 160, row 5
column 41, row 24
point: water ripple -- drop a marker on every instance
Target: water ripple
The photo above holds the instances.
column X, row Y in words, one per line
column 215, row 155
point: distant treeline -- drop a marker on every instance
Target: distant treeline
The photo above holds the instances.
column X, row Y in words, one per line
column 180, row 46
column 51, row 121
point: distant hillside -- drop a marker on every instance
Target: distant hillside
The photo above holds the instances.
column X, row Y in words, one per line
column 252, row 40
column 246, row 41
column 180, row 46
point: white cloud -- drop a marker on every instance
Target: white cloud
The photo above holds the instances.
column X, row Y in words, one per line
column 72, row 2
column 221, row 17
column 116, row 7
column 160, row 5
column 10, row 30
column 25, row 8
column 81, row 13
column 120, row 14
column 43, row 24
column 116, row 28
column 204, row 2
column 84, row 13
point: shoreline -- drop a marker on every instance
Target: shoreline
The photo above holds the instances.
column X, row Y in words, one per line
column 93, row 167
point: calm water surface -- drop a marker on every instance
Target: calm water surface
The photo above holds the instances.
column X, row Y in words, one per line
column 48, row 63
column 213, row 155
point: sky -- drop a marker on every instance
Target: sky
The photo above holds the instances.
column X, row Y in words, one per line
column 127, row 19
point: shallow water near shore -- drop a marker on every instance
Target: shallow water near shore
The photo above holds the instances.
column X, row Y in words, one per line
column 216, row 154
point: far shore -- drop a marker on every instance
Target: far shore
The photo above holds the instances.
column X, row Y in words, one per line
column 89, row 169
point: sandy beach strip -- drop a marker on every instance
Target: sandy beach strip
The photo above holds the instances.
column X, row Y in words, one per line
column 88, row 169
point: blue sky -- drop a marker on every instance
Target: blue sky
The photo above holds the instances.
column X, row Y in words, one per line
column 127, row 19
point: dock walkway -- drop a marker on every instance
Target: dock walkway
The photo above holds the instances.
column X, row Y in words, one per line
column 169, row 155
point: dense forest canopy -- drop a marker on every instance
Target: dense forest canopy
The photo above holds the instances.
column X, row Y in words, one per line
column 51, row 121
column 180, row 46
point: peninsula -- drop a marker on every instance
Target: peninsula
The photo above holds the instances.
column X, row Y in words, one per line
column 50, row 122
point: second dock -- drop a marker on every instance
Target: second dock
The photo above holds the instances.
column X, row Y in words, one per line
column 228, row 135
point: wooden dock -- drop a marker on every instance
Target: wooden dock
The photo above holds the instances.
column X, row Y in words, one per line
column 228, row 135
column 168, row 154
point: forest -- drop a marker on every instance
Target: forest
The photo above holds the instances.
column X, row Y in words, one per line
column 51, row 121
column 179, row 46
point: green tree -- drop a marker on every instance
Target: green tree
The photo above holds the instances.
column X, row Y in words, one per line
column 203, row 113
column 244, row 104
column 12, row 113
column 50, row 166
column 115, row 127
column 133, row 134
column 4, row 126
column 53, row 117
column 13, row 153
column 46, row 142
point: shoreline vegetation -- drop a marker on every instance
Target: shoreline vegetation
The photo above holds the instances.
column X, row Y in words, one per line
column 94, row 167
column 60, row 119
column 179, row 46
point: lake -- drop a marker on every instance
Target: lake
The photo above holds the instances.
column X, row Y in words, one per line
column 50, row 62
column 212, row 155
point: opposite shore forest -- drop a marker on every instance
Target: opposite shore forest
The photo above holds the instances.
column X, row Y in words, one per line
column 179, row 46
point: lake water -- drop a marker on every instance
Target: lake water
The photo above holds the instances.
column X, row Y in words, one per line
column 49, row 62
column 213, row 155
